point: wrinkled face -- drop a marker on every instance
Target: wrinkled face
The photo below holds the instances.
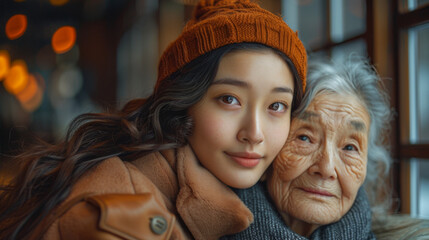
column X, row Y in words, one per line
column 319, row 171
column 243, row 121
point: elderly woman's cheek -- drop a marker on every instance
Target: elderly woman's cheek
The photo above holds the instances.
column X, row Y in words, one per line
column 292, row 160
column 289, row 165
column 278, row 191
column 356, row 169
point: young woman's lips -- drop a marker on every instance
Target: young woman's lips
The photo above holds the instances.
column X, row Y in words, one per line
column 245, row 159
column 318, row 192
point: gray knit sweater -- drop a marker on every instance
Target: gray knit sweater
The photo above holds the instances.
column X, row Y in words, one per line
column 268, row 224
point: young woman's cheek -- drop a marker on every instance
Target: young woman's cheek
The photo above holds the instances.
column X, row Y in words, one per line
column 277, row 136
column 215, row 126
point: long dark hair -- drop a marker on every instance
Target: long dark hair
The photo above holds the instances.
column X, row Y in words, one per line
column 48, row 172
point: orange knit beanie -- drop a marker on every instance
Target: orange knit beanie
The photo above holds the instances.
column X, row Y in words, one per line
column 217, row 23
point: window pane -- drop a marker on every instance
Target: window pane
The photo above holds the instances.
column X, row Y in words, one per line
column 348, row 19
column 309, row 18
column 419, row 84
column 354, row 17
column 424, row 188
column 423, row 84
column 312, row 22
column 410, row 5
column 319, row 55
column 341, row 52
column 420, row 187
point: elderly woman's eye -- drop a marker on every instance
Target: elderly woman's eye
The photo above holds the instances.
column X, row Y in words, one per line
column 304, row 138
column 350, row 147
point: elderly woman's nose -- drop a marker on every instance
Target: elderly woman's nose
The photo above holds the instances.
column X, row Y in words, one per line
column 324, row 164
column 251, row 129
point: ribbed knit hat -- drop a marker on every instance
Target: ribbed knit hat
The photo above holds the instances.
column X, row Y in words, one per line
column 217, row 23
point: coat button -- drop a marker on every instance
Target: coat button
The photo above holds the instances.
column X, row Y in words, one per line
column 158, row 225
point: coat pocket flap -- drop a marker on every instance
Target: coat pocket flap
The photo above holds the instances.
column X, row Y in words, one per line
column 133, row 216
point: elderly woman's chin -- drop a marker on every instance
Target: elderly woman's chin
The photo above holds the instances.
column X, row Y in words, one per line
column 312, row 212
column 306, row 207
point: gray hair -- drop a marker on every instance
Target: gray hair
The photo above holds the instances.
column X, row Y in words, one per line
column 357, row 77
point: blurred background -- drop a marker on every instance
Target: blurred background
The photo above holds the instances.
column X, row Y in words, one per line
column 61, row 58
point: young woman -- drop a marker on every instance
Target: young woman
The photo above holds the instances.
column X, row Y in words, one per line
column 162, row 167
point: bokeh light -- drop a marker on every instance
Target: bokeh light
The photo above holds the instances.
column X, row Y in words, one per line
column 29, row 91
column 64, row 39
column 58, row 2
column 17, row 77
column 16, row 26
column 35, row 102
column 70, row 82
column 31, row 96
column 4, row 64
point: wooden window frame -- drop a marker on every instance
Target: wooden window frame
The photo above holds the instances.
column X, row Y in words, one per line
column 366, row 36
column 402, row 21
column 405, row 21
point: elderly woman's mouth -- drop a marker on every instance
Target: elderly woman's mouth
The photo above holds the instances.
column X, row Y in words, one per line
column 315, row 191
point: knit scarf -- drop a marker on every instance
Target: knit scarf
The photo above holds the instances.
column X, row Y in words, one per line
column 268, row 224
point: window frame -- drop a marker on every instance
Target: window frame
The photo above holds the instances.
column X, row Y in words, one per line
column 367, row 36
column 406, row 152
column 402, row 151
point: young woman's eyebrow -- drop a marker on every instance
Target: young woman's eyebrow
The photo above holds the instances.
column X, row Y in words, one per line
column 230, row 81
column 283, row 90
column 235, row 82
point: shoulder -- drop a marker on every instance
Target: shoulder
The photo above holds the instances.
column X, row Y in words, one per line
column 106, row 197
column 110, row 176
column 146, row 174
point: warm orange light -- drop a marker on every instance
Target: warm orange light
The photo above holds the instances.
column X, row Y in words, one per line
column 32, row 95
column 58, row 2
column 16, row 26
column 17, row 77
column 64, row 39
column 34, row 102
column 29, row 91
column 4, row 64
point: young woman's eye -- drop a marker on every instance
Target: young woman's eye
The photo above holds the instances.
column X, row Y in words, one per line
column 350, row 147
column 230, row 100
column 304, row 138
column 278, row 107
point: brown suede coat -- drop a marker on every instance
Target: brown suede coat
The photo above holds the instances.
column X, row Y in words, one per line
column 204, row 208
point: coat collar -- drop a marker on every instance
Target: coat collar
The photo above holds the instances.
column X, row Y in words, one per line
column 209, row 208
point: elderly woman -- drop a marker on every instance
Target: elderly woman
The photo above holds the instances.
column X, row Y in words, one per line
column 336, row 136
column 334, row 155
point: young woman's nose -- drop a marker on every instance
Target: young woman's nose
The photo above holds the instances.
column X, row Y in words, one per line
column 251, row 130
column 324, row 164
